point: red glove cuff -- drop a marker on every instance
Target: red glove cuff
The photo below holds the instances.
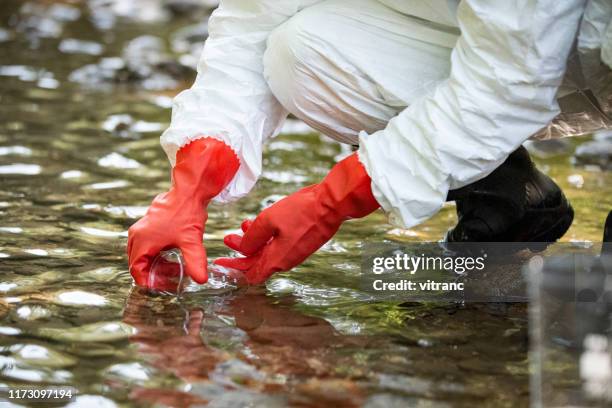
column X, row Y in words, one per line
column 204, row 167
column 348, row 189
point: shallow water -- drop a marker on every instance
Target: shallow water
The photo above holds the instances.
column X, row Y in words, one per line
column 72, row 182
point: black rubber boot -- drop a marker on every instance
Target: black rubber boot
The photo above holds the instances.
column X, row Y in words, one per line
column 515, row 203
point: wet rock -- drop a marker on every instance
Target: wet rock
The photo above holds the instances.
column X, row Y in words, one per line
column 5, row 35
column 38, row 20
column 33, row 312
column 144, row 62
column 596, row 152
column 133, row 372
column 48, row 83
column 39, row 356
column 17, row 370
column 105, row 185
column 105, row 13
column 105, row 274
column 190, row 39
column 79, row 298
column 118, row 161
column 22, row 72
column 125, row 126
column 159, row 82
column 27, row 284
column 92, row 350
column 190, row 7
column 548, row 148
column 105, row 72
column 164, row 102
column 143, row 53
column 74, row 46
column 118, row 124
column 63, row 12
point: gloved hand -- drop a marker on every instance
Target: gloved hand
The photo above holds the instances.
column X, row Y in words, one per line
column 176, row 219
column 289, row 231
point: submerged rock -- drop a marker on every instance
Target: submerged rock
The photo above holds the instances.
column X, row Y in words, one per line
column 4, row 308
column 101, row 332
column 132, row 372
column 15, row 369
column 40, row 356
column 33, row 312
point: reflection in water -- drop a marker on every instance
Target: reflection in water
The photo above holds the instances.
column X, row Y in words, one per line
column 247, row 342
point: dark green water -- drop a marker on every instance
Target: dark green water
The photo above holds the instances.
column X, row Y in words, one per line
column 69, row 189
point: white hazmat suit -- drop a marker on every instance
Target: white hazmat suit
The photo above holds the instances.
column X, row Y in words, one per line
column 436, row 93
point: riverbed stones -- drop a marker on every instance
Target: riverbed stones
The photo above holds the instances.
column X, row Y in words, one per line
column 596, row 152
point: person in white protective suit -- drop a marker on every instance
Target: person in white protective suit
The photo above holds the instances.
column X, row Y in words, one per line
column 437, row 95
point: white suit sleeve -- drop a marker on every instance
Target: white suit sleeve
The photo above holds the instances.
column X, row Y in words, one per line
column 505, row 71
column 230, row 100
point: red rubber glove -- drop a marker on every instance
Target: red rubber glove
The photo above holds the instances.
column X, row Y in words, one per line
column 289, row 231
column 176, row 219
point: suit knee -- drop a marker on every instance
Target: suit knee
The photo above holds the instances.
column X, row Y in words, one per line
column 287, row 57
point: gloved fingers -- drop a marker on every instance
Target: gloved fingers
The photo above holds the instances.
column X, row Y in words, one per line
column 281, row 254
column 194, row 255
column 233, row 241
column 258, row 234
column 139, row 268
column 141, row 254
column 246, row 224
column 268, row 261
column 240, row 264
